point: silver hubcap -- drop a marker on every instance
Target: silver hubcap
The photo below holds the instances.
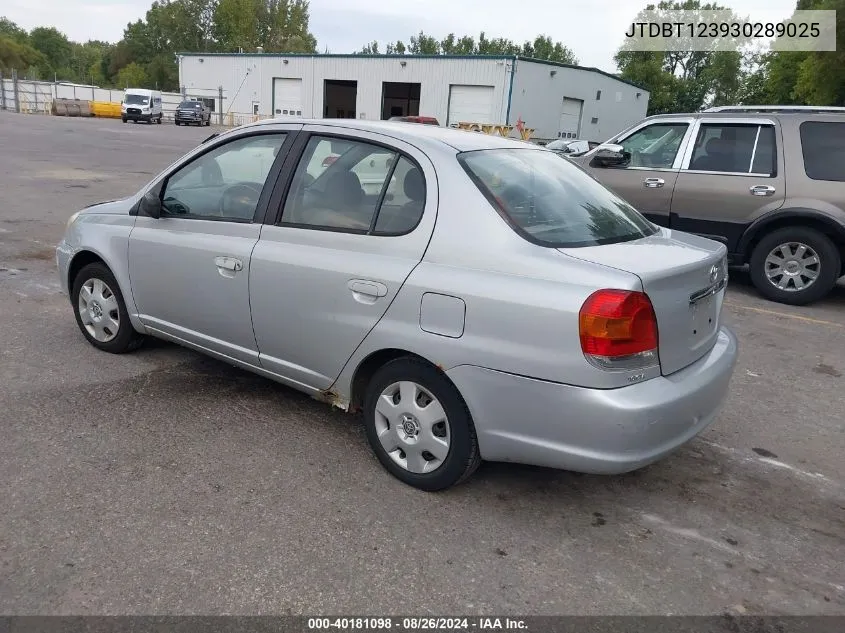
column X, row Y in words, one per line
column 792, row 266
column 98, row 310
column 412, row 427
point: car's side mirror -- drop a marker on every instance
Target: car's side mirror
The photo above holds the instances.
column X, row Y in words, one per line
column 610, row 156
column 150, row 205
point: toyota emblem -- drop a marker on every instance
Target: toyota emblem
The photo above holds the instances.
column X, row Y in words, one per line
column 714, row 274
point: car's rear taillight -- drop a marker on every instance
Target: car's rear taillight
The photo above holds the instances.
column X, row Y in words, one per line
column 618, row 330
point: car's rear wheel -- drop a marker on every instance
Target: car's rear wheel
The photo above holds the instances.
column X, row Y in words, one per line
column 795, row 265
column 101, row 312
column 419, row 426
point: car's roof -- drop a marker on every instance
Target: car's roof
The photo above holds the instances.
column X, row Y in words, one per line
column 461, row 140
column 756, row 114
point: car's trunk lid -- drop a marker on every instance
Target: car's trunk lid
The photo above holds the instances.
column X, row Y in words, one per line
column 684, row 276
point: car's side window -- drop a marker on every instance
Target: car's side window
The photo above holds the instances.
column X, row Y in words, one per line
column 747, row 148
column 354, row 186
column 655, row 146
column 823, row 148
column 404, row 200
column 224, row 183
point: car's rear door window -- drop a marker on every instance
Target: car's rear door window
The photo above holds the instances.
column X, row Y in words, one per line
column 551, row 201
column 355, row 186
column 823, row 146
column 737, row 148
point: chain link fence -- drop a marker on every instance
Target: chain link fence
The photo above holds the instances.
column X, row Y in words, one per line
column 77, row 100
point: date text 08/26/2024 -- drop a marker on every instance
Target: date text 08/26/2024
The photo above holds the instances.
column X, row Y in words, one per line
column 355, row 624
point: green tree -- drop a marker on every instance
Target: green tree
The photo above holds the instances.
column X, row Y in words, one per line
column 683, row 80
column 132, row 76
column 287, row 27
column 423, row 44
column 370, row 49
column 395, row 49
column 821, row 75
column 279, row 26
column 11, row 30
column 542, row 47
column 18, row 56
column 56, row 49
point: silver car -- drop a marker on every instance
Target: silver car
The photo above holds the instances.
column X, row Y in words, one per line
column 488, row 301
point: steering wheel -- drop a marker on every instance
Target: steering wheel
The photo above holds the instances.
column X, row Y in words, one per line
column 174, row 206
column 239, row 201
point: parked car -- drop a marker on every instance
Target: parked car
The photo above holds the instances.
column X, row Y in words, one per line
column 192, row 112
column 571, row 147
column 140, row 104
column 492, row 301
column 425, row 120
column 766, row 181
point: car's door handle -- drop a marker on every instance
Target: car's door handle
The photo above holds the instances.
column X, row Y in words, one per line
column 762, row 190
column 366, row 291
column 229, row 263
column 653, row 183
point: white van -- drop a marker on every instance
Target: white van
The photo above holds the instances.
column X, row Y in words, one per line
column 140, row 104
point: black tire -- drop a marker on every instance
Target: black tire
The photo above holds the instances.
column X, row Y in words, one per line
column 158, row 121
column 127, row 338
column 829, row 266
column 463, row 457
column 177, row 123
column 123, row 119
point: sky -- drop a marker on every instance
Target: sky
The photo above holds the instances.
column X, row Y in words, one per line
column 592, row 28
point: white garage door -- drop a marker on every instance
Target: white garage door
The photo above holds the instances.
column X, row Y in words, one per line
column 570, row 118
column 471, row 104
column 287, row 97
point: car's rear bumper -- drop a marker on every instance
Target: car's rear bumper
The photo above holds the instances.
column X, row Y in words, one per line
column 604, row 431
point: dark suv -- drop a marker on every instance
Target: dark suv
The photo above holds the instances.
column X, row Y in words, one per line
column 192, row 113
column 767, row 181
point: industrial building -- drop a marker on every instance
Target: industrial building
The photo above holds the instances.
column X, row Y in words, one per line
column 555, row 100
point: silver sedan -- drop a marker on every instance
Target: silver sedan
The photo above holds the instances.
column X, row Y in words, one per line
column 475, row 297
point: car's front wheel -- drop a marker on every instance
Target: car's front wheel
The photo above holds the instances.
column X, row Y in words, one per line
column 795, row 265
column 101, row 311
column 419, row 426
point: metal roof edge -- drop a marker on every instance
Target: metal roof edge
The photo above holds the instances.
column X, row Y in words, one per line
column 342, row 55
column 549, row 62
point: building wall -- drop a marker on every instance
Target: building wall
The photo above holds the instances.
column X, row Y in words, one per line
column 537, row 99
column 249, row 78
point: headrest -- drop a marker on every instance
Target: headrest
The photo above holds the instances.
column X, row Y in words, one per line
column 414, row 185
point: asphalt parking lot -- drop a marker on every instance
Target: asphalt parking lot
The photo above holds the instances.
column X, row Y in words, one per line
column 163, row 482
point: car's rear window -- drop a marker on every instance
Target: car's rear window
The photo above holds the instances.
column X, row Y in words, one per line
column 552, row 202
column 823, row 146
